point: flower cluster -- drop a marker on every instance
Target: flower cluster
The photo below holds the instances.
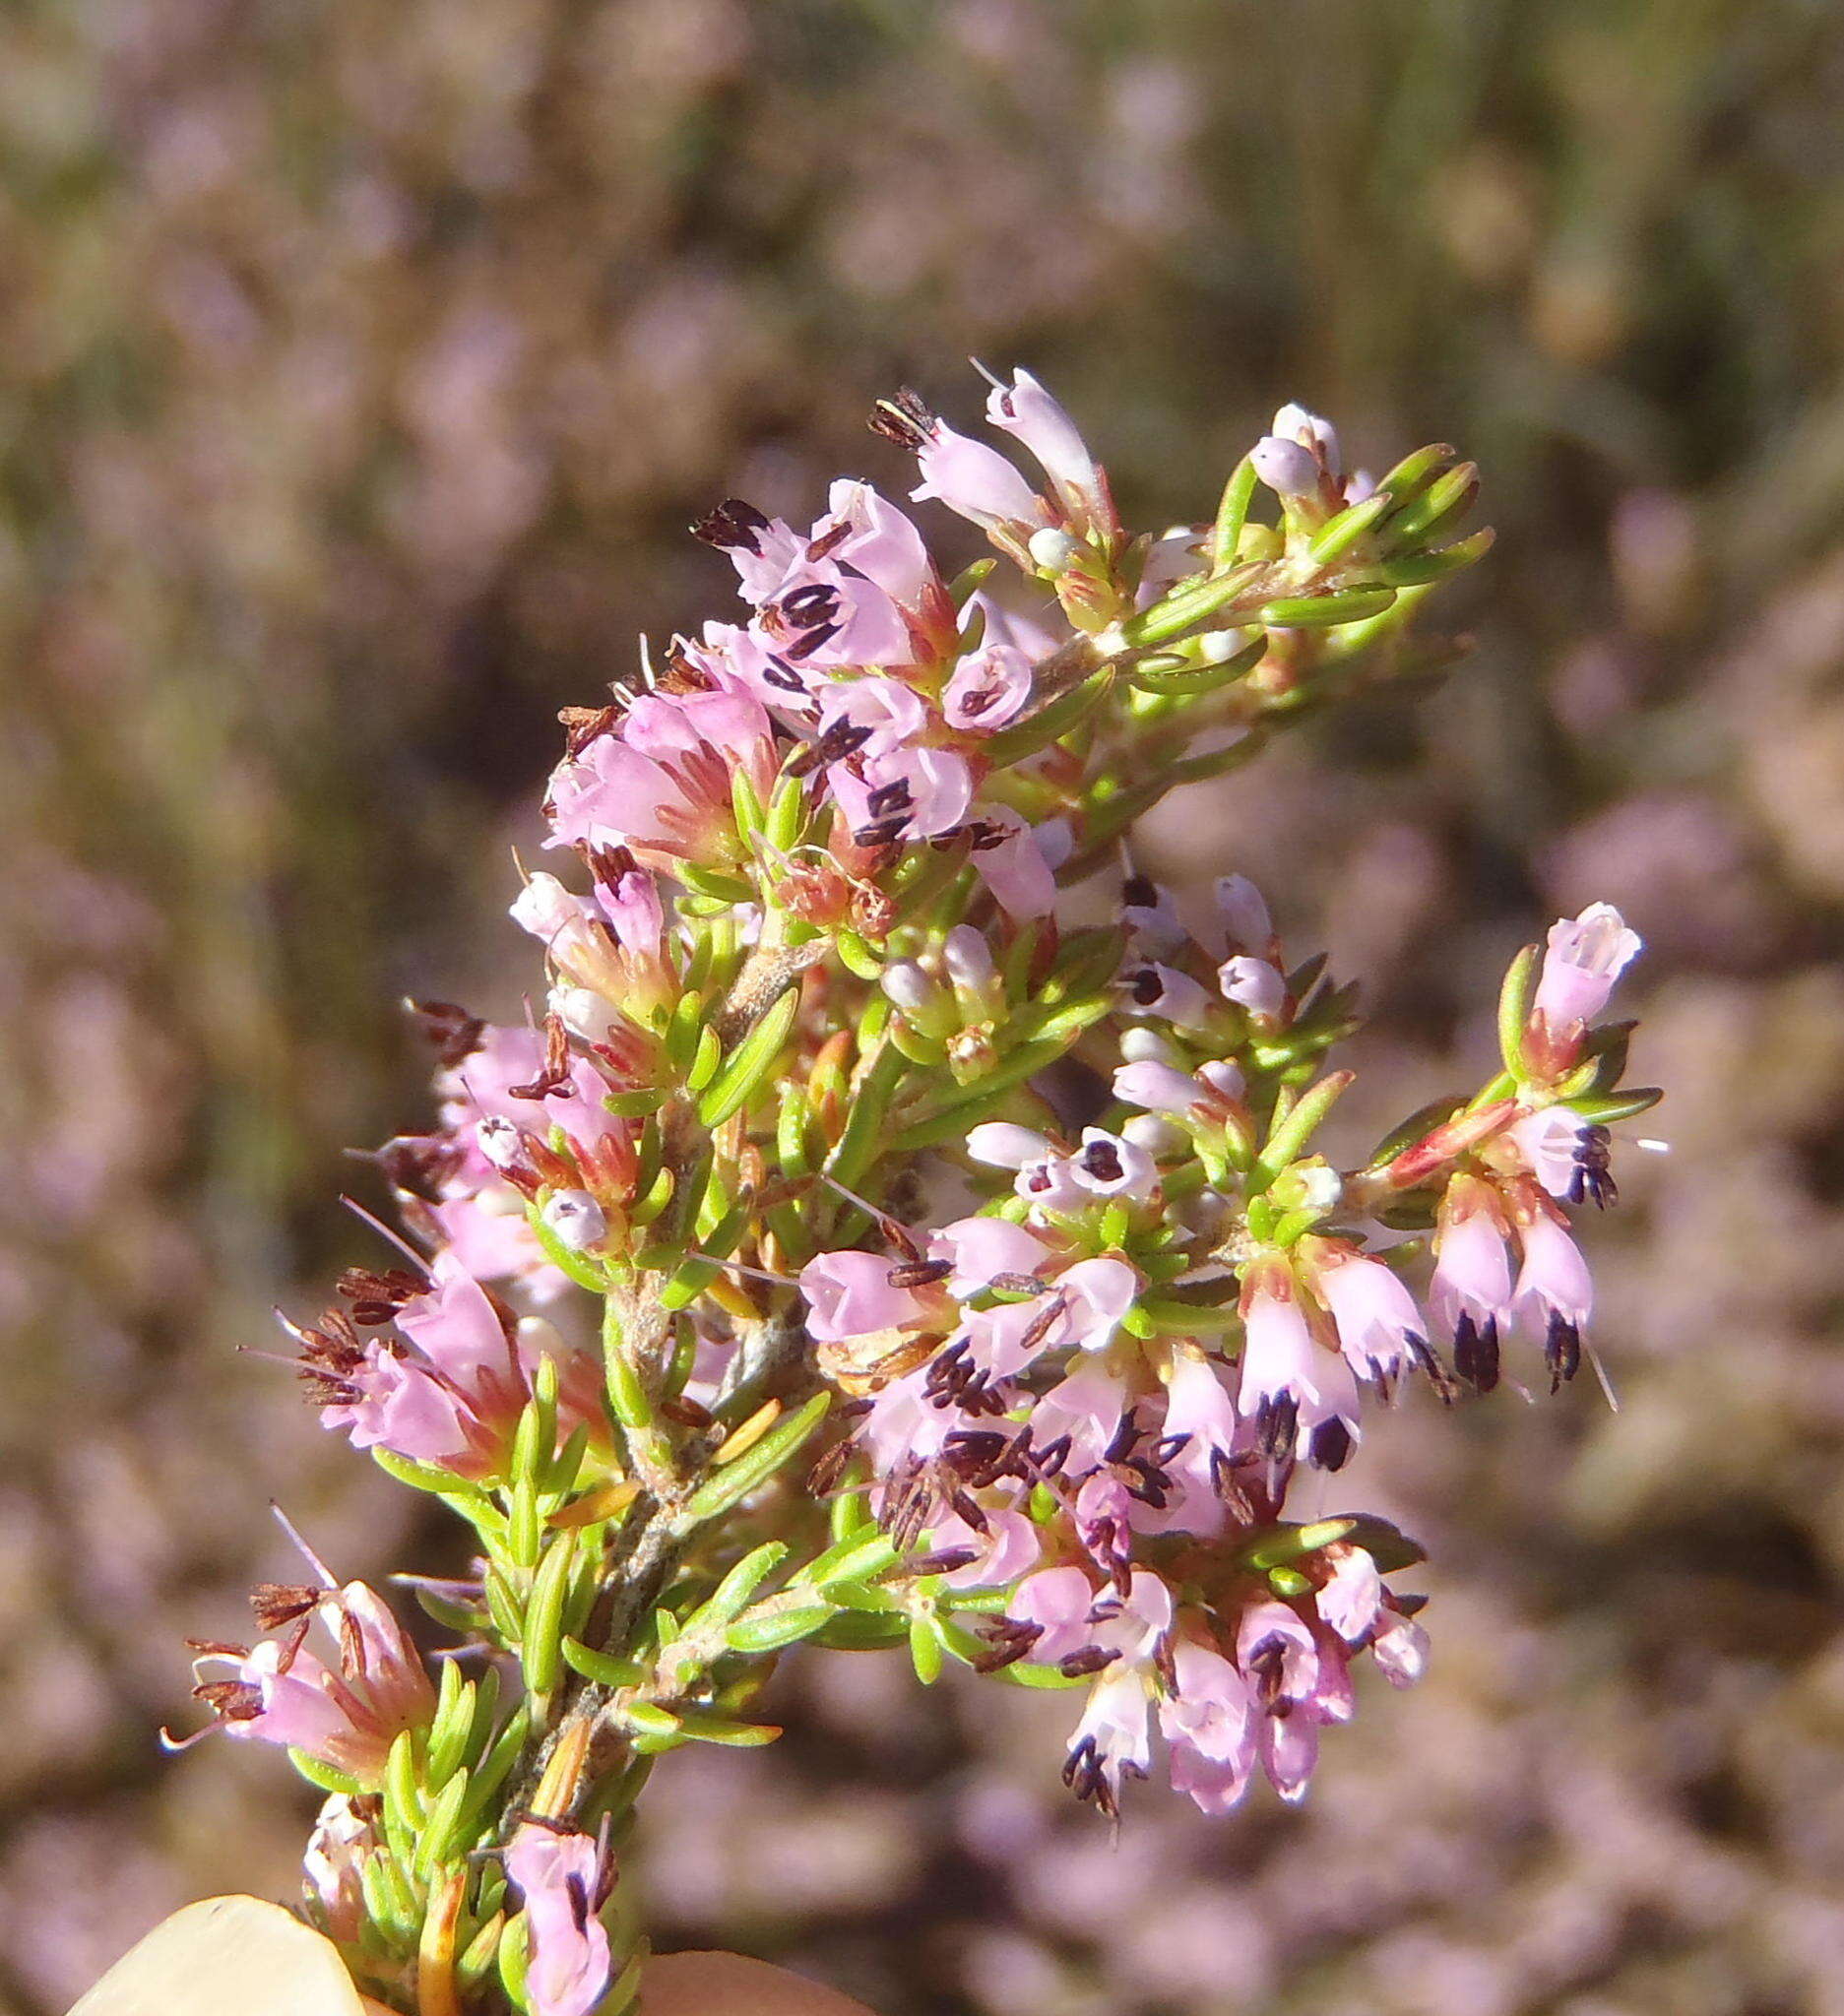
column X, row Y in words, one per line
column 832, row 1135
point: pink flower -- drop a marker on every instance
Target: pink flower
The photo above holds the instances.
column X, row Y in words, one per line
column 1082, row 1411
column 1159, row 1088
column 1110, row 1165
column 1296, row 1690
column 1165, row 991
column 562, row 1879
column 1151, row 914
column 880, row 542
column 1296, row 422
column 1002, row 1145
column 347, row 1716
column 824, row 616
column 1285, row 465
column 1026, row 411
column 631, row 903
column 1351, row 1599
column 331, row 1869
column 903, row 1426
column 1399, row 1647
column 660, row 784
column 1555, row 1293
column 1301, row 1397
column 989, row 687
column 886, row 713
column 1113, row 1740
column 1244, row 914
column 762, row 549
column 982, row 1249
column 910, row 790
column 1586, row 955
column 1014, row 861
column 1056, row 1601
column 1379, row 1324
column 849, row 1295
column 1469, row 1297
column 972, row 479
column 1208, row 1720
column 492, row 1238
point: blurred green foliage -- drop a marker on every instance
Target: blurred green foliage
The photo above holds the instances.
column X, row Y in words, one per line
column 360, row 367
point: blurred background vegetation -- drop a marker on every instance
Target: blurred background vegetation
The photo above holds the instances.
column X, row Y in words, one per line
column 360, row 369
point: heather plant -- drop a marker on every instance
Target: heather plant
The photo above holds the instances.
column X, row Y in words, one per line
column 897, row 1227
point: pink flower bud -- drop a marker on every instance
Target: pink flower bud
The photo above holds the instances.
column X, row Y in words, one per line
column 1159, row 1088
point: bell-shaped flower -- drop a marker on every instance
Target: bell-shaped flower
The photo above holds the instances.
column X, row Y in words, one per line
column 981, row 1250
column 562, row 1879
column 1207, row 1716
column 910, row 790
column 1153, row 988
column 974, row 480
column 1554, row 1293
column 1584, row 958
column 1018, row 862
column 1301, row 1397
column 1379, row 1324
column 1253, row 985
column 1470, row 1295
column 879, row 541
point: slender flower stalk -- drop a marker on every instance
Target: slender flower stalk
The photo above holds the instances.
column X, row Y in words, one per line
column 664, row 1330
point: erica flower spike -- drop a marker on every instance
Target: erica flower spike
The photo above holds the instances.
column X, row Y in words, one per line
column 669, row 1328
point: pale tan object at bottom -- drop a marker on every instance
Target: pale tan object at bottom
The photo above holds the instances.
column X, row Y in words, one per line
column 234, row 1956
column 727, row 1985
column 229, row 1956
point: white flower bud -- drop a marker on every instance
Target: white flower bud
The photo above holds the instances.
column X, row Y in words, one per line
column 1218, row 646
column 500, row 1141
column 1142, row 1045
column 968, row 958
column 1244, row 912
column 1153, row 1134
column 1285, row 465
column 575, row 1221
column 908, row 984
column 1053, row 549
